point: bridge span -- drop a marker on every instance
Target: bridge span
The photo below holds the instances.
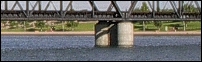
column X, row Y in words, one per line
column 114, row 27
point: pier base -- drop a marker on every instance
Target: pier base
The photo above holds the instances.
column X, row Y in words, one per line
column 101, row 34
column 125, row 34
column 114, row 34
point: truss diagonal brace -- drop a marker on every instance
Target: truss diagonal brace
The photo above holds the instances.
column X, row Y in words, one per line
column 93, row 5
column 198, row 6
column 33, row 7
column 132, row 7
column 174, row 8
column 47, row 6
column 110, row 7
column 117, row 9
column 150, row 5
column 17, row 3
column 69, row 6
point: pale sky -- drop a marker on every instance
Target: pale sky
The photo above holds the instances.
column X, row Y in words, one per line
column 84, row 5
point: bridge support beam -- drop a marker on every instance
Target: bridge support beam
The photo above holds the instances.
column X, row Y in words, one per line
column 114, row 34
column 125, row 34
column 101, row 34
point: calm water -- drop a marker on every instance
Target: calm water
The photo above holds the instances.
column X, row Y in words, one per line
column 81, row 48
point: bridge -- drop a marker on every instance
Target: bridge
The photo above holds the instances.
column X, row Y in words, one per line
column 114, row 26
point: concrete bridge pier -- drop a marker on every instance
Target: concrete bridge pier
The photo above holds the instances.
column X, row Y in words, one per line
column 102, row 34
column 114, row 34
column 125, row 34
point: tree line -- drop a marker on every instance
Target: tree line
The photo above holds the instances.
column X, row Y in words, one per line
column 188, row 8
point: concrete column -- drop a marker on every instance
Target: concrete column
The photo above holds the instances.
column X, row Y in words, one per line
column 101, row 34
column 125, row 34
column 113, row 34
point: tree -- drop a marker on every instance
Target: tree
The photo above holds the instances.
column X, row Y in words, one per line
column 40, row 25
column 158, row 24
column 26, row 24
column 14, row 24
column 72, row 24
column 167, row 10
column 189, row 8
column 137, row 10
column 144, row 7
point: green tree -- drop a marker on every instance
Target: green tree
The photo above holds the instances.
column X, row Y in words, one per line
column 72, row 25
column 158, row 24
column 189, row 8
column 144, row 7
column 40, row 25
column 167, row 10
column 26, row 24
column 137, row 10
column 13, row 24
column 23, row 23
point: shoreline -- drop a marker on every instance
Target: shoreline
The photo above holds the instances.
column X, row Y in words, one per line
column 91, row 33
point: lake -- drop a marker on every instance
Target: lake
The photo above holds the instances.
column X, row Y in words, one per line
column 81, row 48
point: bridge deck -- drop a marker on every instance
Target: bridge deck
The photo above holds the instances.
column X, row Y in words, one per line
column 97, row 15
column 26, row 11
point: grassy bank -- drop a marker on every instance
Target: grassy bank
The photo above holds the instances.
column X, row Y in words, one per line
column 191, row 26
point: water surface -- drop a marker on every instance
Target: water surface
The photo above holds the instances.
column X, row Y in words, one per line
column 81, row 48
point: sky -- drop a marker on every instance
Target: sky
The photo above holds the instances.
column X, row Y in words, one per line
column 84, row 5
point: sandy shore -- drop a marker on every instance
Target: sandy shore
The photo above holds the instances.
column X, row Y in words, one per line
column 91, row 33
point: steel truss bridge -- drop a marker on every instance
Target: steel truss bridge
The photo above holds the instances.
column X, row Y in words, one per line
column 63, row 13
